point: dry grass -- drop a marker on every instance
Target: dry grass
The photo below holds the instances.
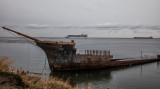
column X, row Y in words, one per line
column 5, row 63
column 34, row 81
column 88, row 86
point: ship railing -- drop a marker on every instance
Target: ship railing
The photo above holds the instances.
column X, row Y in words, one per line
column 95, row 52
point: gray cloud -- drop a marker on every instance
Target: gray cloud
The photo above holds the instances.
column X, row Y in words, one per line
column 114, row 27
column 130, row 27
column 36, row 26
column 141, row 32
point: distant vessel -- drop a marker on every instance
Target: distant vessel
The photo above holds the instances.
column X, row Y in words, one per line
column 77, row 36
column 143, row 37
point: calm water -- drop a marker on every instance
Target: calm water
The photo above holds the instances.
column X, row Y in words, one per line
column 30, row 57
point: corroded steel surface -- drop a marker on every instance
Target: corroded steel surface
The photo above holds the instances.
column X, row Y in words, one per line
column 111, row 64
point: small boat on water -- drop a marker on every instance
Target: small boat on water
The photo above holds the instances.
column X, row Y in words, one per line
column 62, row 56
column 143, row 37
column 77, row 36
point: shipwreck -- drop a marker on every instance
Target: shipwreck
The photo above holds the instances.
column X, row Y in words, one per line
column 62, row 56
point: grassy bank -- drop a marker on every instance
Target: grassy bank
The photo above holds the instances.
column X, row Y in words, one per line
column 16, row 79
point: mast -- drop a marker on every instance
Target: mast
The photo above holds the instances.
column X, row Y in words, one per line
column 32, row 38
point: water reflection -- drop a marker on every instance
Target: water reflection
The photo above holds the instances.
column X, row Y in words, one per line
column 141, row 70
column 157, row 64
column 77, row 77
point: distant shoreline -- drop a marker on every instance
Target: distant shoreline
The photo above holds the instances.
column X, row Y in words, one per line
column 85, row 38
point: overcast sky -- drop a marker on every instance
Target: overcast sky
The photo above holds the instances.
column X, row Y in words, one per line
column 97, row 18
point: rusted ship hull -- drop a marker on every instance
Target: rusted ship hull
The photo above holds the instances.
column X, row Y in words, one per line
column 111, row 64
column 62, row 56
